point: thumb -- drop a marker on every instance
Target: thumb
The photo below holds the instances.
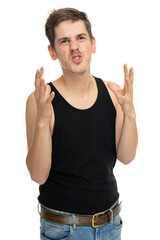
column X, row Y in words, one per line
column 115, row 88
column 50, row 98
column 112, row 88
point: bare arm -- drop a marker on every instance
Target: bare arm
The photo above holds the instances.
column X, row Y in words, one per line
column 39, row 114
column 126, row 119
column 127, row 145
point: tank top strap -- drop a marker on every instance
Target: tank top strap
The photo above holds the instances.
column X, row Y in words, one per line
column 104, row 92
column 101, row 86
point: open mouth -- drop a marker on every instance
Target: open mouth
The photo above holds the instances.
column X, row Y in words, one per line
column 77, row 58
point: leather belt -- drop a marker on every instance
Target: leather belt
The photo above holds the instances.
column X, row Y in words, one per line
column 95, row 220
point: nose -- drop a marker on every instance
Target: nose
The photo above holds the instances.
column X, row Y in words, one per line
column 74, row 45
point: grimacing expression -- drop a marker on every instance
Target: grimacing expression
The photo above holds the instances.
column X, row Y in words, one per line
column 73, row 46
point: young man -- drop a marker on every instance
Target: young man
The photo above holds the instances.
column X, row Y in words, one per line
column 77, row 126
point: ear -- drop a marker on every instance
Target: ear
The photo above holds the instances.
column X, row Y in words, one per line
column 52, row 52
column 93, row 45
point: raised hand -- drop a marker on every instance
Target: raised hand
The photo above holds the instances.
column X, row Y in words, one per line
column 125, row 96
column 43, row 98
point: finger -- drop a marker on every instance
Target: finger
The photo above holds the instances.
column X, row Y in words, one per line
column 36, row 84
column 38, row 76
column 50, row 98
column 130, row 80
column 126, row 74
column 125, row 88
column 48, row 89
column 41, row 71
column 42, row 87
column 36, row 95
column 131, row 75
column 36, row 79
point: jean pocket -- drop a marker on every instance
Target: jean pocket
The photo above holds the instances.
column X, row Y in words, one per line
column 54, row 231
column 117, row 222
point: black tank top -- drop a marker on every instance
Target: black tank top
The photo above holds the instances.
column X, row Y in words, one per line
column 81, row 178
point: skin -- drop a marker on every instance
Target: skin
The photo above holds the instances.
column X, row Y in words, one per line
column 78, row 87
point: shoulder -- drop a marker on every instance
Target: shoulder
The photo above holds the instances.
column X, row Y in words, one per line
column 31, row 112
column 31, row 102
column 114, row 100
column 31, row 97
column 31, row 108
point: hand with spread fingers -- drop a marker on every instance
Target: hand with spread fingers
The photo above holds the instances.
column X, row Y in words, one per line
column 125, row 96
column 43, row 98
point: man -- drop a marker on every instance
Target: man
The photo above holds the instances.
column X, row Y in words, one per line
column 77, row 126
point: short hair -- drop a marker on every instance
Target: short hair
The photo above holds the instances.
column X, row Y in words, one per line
column 64, row 14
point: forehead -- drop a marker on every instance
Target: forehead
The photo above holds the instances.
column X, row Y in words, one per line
column 70, row 29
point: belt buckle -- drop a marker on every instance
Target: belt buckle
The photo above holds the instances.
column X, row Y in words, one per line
column 93, row 219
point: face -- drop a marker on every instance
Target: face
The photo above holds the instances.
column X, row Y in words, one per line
column 73, row 47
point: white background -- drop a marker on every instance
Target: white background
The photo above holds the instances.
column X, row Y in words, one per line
column 126, row 31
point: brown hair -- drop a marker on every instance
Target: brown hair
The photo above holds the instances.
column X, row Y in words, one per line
column 64, row 14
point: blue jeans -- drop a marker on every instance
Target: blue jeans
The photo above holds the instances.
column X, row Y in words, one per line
column 55, row 231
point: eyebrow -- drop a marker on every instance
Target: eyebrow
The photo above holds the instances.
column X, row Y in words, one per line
column 66, row 38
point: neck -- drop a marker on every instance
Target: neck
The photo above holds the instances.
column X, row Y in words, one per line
column 77, row 84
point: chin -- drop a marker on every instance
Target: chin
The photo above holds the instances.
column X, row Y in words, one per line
column 79, row 72
column 79, row 69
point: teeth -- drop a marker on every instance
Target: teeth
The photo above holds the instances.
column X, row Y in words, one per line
column 77, row 58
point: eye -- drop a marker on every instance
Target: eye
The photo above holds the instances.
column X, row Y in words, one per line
column 64, row 41
column 81, row 38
